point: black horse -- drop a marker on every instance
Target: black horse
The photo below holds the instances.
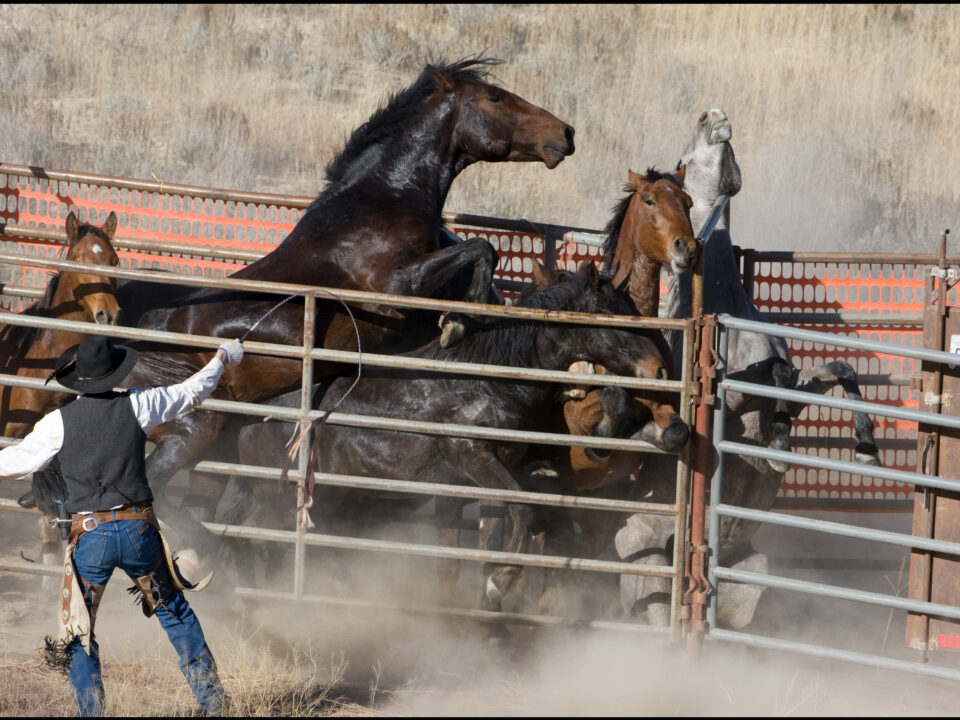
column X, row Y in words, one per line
column 481, row 401
column 375, row 227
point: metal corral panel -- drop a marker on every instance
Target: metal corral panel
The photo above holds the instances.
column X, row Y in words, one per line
column 204, row 218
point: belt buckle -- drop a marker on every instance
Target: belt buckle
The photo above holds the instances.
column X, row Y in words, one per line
column 96, row 523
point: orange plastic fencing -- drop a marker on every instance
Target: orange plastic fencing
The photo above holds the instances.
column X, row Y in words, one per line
column 204, row 218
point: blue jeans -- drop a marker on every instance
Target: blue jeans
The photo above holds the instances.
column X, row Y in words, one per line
column 135, row 547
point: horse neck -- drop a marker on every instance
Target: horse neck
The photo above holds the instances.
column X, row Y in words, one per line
column 643, row 285
column 416, row 169
column 640, row 270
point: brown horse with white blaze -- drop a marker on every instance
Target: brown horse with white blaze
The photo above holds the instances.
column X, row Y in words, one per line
column 33, row 352
column 70, row 295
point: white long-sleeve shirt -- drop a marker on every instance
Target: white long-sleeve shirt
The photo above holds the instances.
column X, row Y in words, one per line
column 151, row 406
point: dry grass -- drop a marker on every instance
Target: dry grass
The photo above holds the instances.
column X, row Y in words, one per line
column 843, row 115
column 258, row 682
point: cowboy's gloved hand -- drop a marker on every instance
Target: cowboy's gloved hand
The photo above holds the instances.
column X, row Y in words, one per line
column 233, row 350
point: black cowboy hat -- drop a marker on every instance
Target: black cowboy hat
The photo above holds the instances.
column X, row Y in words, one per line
column 94, row 366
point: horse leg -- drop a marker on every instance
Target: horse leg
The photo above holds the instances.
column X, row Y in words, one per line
column 426, row 276
column 492, row 517
column 842, row 373
column 448, row 513
column 180, row 443
column 503, row 576
column 646, row 540
column 783, row 377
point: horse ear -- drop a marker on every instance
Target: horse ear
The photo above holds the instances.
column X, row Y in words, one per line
column 636, row 180
column 72, row 226
column 109, row 226
column 589, row 268
column 539, row 276
column 681, row 172
column 442, row 81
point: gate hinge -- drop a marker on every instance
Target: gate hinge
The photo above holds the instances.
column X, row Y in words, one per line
column 951, row 274
column 941, row 400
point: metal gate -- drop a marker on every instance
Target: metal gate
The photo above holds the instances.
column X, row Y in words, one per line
column 945, row 609
column 44, row 198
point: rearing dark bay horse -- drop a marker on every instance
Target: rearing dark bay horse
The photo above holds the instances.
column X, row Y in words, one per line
column 376, row 226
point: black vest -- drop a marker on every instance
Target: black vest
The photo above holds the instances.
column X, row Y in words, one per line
column 102, row 455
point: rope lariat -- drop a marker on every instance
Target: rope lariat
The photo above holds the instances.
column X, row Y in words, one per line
column 297, row 438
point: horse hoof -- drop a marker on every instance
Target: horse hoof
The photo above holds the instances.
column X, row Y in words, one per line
column 867, row 457
column 453, row 332
column 780, row 467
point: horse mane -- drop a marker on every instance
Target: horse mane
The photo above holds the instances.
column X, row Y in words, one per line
column 389, row 121
column 615, row 224
column 17, row 339
column 509, row 341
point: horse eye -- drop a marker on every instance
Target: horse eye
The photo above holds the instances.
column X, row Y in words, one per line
column 495, row 97
column 649, row 202
column 703, row 117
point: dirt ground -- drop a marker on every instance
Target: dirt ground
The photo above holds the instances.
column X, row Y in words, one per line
column 278, row 658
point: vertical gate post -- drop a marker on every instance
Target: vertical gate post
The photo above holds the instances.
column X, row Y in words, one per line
column 935, row 512
column 306, row 397
column 679, row 605
column 698, row 588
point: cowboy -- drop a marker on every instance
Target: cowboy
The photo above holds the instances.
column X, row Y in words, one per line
column 96, row 446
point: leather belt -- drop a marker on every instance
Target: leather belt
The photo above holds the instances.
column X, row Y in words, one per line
column 90, row 521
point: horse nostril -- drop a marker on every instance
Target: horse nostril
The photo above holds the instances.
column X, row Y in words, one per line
column 675, row 436
column 102, row 317
column 568, row 134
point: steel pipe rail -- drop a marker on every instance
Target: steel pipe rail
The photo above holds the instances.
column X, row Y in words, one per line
column 838, row 592
column 294, row 201
column 844, row 341
column 902, row 476
column 357, row 296
column 847, row 441
column 13, row 505
column 484, row 616
column 785, row 256
column 348, row 357
column 120, row 242
column 843, row 318
column 832, row 528
column 493, row 556
column 396, row 424
column 879, row 661
column 359, row 482
column 843, row 403
column 29, row 568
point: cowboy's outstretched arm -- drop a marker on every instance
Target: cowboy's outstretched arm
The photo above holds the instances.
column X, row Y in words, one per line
column 154, row 406
column 35, row 450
